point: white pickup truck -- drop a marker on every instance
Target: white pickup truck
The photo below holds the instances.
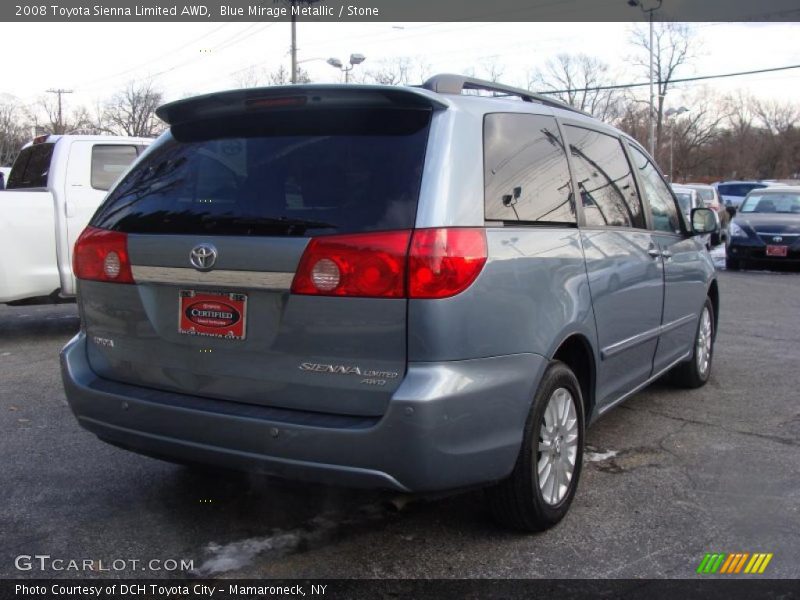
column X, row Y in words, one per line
column 56, row 184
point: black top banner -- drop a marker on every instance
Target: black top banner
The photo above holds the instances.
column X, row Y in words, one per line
column 399, row 10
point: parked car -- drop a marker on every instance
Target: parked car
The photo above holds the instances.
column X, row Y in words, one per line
column 711, row 199
column 766, row 229
column 404, row 288
column 688, row 200
column 55, row 185
column 733, row 192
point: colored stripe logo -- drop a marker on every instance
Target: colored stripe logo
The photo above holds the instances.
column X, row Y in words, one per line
column 734, row 564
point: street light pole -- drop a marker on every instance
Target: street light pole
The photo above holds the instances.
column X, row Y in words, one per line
column 673, row 112
column 651, row 121
column 355, row 59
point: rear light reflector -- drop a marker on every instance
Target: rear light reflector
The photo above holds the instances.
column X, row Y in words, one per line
column 428, row 263
column 102, row 255
column 444, row 262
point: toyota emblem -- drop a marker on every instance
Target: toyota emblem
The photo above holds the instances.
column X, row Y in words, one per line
column 203, row 257
column 777, row 239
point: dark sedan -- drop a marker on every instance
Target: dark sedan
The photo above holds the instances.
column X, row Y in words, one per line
column 766, row 229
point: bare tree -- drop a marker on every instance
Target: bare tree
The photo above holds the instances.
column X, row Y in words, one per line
column 13, row 132
column 259, row 77
column 133, row 111
column 402, row 70
column 691, row 134
column 778, row 148
column 576, row 78
column 55, row 122
column 774, row 116
column 394, row 71
column 673, row 47
column 492, row 70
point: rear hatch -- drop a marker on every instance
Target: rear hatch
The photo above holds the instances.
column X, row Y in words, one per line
column 216, row 217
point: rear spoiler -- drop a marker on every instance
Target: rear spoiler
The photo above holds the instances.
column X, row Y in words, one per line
column 234, row 102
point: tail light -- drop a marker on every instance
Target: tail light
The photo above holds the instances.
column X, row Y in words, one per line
column 102, row 255
column 444, row 262
column 364, row 264
column 428, row 263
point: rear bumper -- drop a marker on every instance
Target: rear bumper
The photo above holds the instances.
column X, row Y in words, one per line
column 448, row 425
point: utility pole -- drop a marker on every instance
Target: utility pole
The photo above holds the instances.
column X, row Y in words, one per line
column 294, row 43
column 652, row 120
column 60, row 92
column 293, row 50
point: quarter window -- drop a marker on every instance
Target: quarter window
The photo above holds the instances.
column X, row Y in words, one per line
column 108, row 163
column 605, row 181
column 662, row 205
column 526, row 176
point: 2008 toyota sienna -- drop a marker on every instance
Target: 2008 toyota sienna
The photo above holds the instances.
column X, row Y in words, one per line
column 418, row 289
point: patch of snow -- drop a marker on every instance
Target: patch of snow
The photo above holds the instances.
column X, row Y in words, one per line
column 599, row 456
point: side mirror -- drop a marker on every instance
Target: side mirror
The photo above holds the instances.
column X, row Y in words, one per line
column 704, row 220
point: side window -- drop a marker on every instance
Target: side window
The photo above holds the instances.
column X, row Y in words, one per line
column 108, row 163
column 526, row 176
column 662, row 205
column 605, row 182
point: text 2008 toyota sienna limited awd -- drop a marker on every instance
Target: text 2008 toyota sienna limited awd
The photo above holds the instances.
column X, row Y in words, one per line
column 406, row 288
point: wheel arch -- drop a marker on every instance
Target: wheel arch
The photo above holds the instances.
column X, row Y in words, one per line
column 576, row 352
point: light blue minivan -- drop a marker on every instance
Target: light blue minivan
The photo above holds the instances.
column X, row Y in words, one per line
column 418, row 289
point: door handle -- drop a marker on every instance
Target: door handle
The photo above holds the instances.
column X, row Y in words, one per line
column 654, row 252
column 666, row 254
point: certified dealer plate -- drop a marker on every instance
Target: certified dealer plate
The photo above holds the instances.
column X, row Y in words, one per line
column 222, row 315
column 777, row 250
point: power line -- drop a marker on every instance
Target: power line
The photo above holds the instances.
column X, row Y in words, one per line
column 91, row 84
column 683, row 80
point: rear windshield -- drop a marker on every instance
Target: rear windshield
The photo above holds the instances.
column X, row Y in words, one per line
column 738, row 189
column 31, row 168
column 705, row 194
column 303, row 173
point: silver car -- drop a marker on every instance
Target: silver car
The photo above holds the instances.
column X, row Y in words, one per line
column 417, row 289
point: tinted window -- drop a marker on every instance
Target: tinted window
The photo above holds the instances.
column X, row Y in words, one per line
column 304, row 173
column 31, row 168
column 108, row 163
column 605, row 182
column 662, row 205
column 526, row 176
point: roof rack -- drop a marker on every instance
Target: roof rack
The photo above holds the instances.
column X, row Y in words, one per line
column 448, row 83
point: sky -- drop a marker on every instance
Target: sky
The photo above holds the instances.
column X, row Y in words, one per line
column 98, row 59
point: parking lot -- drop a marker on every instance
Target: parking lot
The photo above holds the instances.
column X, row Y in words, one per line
column 669, row 476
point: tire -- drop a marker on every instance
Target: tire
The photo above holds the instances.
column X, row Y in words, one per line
column 732, row 264
column 695, row 372
column 519, row 502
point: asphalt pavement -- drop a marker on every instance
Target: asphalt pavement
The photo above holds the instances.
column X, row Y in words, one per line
column 669, row 475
